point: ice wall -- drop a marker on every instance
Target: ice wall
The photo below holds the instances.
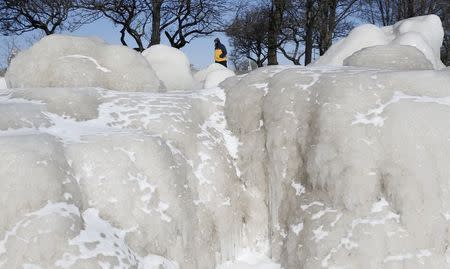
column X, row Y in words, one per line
column 424, row 33
column 69, row 61
column 94, row 178
column 351, row 162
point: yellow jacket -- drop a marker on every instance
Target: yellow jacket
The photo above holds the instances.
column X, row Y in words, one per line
column 220, row 51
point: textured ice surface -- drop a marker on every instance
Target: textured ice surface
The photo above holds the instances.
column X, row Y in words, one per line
column 425, row 33
column 171, row 66
column 342, row 157
column 315, row 168
column 389, row 57
column 69, row 61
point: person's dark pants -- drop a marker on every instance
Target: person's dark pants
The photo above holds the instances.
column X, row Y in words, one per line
column 224, row 63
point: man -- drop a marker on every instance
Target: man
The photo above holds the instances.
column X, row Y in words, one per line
column 220, row 53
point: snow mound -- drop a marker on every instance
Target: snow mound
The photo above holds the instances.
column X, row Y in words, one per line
column 214, row 78
column 425, row 33
column 69, row 61
column 171, row 66
column 389, row 57
column 213, row 75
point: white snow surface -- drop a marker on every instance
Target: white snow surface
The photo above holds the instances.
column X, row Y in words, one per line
column 284, row 167
column 70, row 61
column 171, row 66
column 424, row 33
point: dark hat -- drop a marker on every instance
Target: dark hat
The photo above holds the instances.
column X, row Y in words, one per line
column 216, row 40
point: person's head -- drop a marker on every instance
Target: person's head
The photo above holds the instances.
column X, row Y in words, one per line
column 216, row 41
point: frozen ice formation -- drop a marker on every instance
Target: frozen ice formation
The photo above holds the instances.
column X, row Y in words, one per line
column 171, row 66
column 285, row 167
column 342, row 156
column 425, row 33
column 389, row 57
column 213, row 75
column 69, row 61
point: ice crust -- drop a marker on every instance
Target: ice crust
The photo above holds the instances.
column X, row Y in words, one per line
column 69, row 61
column 284, row 167
column 425, row 33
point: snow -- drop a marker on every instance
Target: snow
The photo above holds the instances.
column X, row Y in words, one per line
column 284, row 167
column 424, row 33
column 171, row 66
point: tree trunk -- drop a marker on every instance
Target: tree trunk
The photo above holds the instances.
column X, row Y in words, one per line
column 156, row 22
column 328, row 25
column 410, row 9
column 276, row 14
column 309, row 32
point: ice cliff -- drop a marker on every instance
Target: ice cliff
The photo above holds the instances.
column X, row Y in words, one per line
column 318, row 167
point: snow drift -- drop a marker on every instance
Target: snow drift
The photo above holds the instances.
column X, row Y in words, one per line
column 285, row 167
column 69, row 61
column 424, row 33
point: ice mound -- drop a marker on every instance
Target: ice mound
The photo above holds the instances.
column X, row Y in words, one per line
column 69, row 61
column 171, row 66
column 213, row 75
column 389, row 57
column 425, row 33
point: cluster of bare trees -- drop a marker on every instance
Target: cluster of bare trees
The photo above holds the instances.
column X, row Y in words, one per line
column 298, row 28
column 142, row 21
column 259, row 30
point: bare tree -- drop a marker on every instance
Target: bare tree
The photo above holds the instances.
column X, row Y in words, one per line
column 248, row 34
column 21, row 16
column 132, row 16
column 294, row 30
column 332, row 21
column 194, row 18
column 277, row 10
